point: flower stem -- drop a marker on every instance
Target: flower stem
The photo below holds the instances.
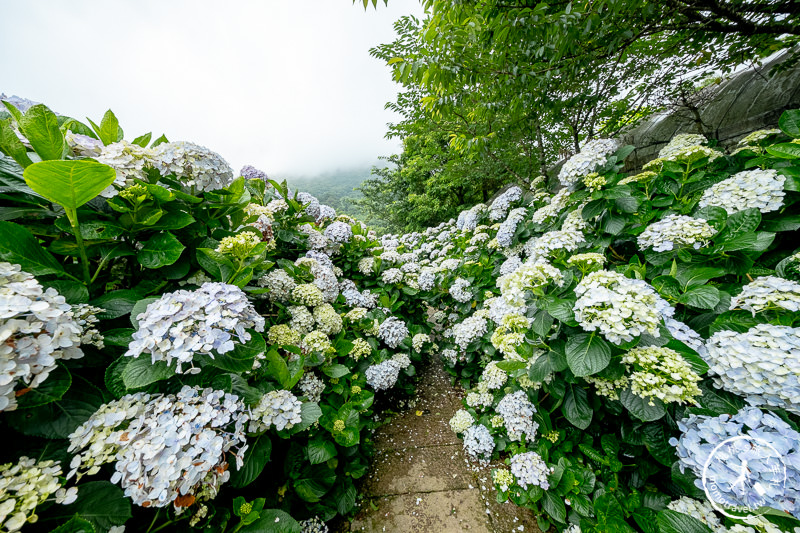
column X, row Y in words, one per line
column 72, row 215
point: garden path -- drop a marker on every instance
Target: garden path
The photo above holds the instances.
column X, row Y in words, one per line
column 420, row 480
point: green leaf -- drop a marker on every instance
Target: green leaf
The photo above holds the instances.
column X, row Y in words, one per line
column 785, row 150
column 255, row 459
column 116, row 303
column 73, row 292
column 241, row 358
column 719, row 401
column 160, row 250
column 320, row 450
column 344, row 494
column 656, row 439
column 100, row 502
column 335, row 370
column 76, row 524
column 554, row 506
column 12, row 146
column 272, row 521
column 587, row 354
column 161, row 140
column 69, row 184
column 314, row 482
column 141, row 371
column 789, row 123
column 740, row 222
column 56, row 420
column 50, row 390
column 40, row 126
column 670, row 521
column 576, row 407
column 704, row 297
column 309, row 413
column 18, row 246
column 109, row 131
column 113, row 376
column 640, row 407
column 142, row 140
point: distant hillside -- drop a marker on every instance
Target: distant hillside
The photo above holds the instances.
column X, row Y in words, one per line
column 335, row 188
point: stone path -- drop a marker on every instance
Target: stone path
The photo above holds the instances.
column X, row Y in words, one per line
column 420, row 480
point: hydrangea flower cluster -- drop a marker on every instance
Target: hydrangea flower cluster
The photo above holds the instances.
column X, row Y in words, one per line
column 461, row 421
column 556, row 205
column 279, row 408
column 25, row 485
column 592, row 155
column 544, row 246
column 505, row 233
column 393, row 332
column 478, row 443
column 384, row 375
column 183, row 323
column 501, row 204
column 686, row 335
column 419, row 340
column 530, row 470
column 279, row 283
column 198, row 168
column 678, row 230
column 283, row 335
column 608, row 387
column 361, row 348
column 757, row 136
column 163, row 447
column 302, row 320
column 761, row 189
column 493, row 377
column 768, row 292
column 392, row 275
column 762, row 364
column 701, row 510
column 459, row 290
column 472, row 328
column 128, row 161
column 339, row 232
column 307, row 294
column 700, row 435
column 249, row 172
column 517, row 412
column 37, row 328
column 619, row 307
column 531, row 275
column 311, row 387
column 316, row 341
column 661, row 373
column 239, row 246
column 313, row 525
column 681, row 142
column 502, row 478
column 328, row 320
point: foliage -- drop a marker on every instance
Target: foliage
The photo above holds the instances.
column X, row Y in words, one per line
column 230, row 321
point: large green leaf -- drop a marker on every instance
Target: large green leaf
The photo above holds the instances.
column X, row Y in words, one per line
column 240, row 359
column 70, row 184
column 320, row 450
column 785, row 150
column 12, row 146
column 309, row 413
column 255, row 459
column 40, row 126
column 100, row 502
column 640, row 407
column 703, row 297
column 160, row 250
column 576, row 407
column 738, row 223
column 789, row 122
column 141, row 372
column 273, row 521
column 18, row 246
column 108, row 131
column 50, row 390
column 670, row 521
column 76, row 524
column 314, row 482
column 117, row 303
column 587, row 354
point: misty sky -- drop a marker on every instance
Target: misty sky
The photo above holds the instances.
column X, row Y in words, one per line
column 285, row 85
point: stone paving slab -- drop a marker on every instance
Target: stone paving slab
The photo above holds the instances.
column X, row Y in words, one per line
column 452, row 511
column 431, row 469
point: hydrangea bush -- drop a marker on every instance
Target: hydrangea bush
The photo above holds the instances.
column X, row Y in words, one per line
column 184, row 347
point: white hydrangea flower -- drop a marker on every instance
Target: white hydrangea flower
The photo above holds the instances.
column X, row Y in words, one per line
column 165, row 448
column 701, row 510
column 384, row 375
column 302, row 320
column 619, row 307
column 608, row 387
column 419, row 340
column 451, row 356
column 544, row 246
column 501, row 204
column 279, row 408
column 478, row 443
column 339, row 232
column 472, row 328
column 311, row 387
column 759, row 135
column 279, row 283
column 592, row 155
column 459, row 290
column 308, row 294
column 505, row 233
column 686, row 335
column 556, row 205
column 761, row 189
column 662, row 373
column 493, row 377
column 680, row 142
column 37, row 328
column 183, row 323
column 316, row 341
column 590, row 259
column 24, row 486
column 768, row 292
column 533, row 276
column 678, row 230
column 392, row 275
column 328, row 320
column 461, row 421
column 762, row 364
column 499, row 308
column 128, row 160
column 402, row 359
column 83, row 145
column 517, row 412
column 393, row 332
column 529, row 469
column 196, row 167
